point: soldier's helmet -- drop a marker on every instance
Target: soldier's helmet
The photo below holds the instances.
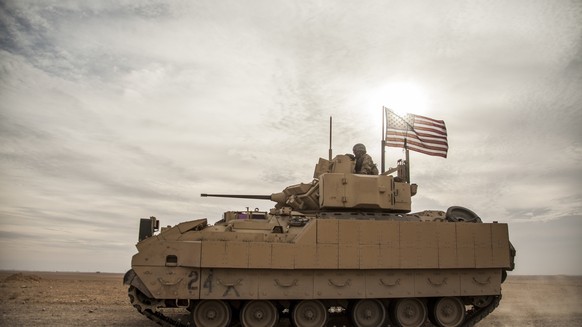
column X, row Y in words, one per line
column 359, row 148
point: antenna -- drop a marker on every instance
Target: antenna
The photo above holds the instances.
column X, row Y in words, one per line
column 383, row 144
column 330, row 133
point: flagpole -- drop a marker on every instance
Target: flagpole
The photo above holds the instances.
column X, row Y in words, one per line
column 383, row 143
column 407, row 155
column 407, row 163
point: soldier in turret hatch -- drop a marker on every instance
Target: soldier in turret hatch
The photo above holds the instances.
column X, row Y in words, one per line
column 364, row 163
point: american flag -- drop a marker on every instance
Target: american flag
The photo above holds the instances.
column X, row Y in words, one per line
column 421, row 134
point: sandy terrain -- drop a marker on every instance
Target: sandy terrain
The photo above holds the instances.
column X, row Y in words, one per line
column 100, row 299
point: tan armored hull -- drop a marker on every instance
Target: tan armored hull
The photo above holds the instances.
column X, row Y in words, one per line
column 381, row 257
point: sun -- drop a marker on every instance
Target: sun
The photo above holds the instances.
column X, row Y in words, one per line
column 401, row 97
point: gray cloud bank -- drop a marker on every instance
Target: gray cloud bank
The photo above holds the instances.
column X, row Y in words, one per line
column 111, row 111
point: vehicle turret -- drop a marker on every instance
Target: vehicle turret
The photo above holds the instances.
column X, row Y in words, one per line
column 337, row 187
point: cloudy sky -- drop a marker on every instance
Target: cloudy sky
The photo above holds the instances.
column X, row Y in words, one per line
column 115, row 110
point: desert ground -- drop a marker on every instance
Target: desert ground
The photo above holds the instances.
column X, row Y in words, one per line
column 100, row 299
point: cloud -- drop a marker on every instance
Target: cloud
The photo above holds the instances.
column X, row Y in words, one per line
column 115, row 111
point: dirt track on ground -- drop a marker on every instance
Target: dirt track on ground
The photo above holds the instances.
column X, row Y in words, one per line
column 100, row 299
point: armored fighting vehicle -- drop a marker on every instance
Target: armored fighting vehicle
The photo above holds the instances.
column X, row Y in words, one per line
column 343, row 244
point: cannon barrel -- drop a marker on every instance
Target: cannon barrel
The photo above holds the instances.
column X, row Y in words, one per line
column 238, row 196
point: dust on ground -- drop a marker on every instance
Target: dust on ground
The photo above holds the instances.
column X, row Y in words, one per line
column 100, row 299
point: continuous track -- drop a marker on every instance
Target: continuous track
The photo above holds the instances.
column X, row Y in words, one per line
column 150, row 309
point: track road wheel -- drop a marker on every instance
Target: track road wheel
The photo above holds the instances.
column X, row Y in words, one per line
column 259, row 314
column 211, row 313
column 309, row 313
column 409, row 312
column 368, row 313
column 448, row 312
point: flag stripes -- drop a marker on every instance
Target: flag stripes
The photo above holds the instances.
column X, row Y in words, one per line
column 416, row 133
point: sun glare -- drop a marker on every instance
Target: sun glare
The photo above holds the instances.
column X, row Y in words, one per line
column 402, row 98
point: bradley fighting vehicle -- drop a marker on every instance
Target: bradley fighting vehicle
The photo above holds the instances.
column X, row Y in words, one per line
column 343, row 243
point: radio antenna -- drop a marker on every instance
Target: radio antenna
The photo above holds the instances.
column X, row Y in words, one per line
column 330, row 133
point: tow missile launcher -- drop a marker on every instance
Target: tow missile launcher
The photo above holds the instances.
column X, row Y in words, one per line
column 344, row 244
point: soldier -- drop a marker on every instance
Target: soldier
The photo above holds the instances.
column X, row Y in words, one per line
column 364, row 163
